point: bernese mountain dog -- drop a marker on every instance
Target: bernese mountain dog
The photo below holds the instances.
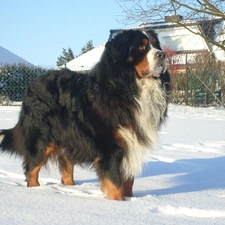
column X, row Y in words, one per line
column 107, row 118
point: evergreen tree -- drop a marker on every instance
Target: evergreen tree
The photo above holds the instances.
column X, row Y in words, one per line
column 70, row 54
column 89, row 46
column 67, row 55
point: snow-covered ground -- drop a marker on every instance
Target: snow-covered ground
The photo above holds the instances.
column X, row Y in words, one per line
column 183, row 181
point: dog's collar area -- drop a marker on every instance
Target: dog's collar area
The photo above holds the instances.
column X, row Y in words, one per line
column 148, row 74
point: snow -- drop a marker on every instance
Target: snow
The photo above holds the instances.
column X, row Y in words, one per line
column 86, row 61
column 7, row 57
column 183, row 181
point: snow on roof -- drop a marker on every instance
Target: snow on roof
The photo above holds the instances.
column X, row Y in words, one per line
column 7, row 57
column 87, row 60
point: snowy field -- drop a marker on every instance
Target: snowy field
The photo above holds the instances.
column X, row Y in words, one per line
column 183, row 181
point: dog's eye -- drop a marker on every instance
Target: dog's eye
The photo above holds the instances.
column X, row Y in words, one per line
column 142, row 47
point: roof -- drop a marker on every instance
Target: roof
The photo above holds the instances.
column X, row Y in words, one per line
column 87, row 60
column 207, row 25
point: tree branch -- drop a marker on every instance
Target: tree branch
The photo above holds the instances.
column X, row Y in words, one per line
column 152, row 11
column 213, row 11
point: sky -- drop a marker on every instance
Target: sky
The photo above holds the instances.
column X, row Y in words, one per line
column 38, row 30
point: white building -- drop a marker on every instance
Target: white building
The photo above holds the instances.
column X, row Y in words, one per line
column 219, row 53
column 175, row 37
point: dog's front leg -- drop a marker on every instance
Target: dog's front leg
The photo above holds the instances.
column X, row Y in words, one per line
column 108, row 171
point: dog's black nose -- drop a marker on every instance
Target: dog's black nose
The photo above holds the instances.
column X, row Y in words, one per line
column 160, row 55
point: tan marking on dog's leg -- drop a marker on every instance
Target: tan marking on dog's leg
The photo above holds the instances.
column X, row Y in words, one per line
column 66, row 169
column 33, row 175
column 127, row 188
column 111, row 191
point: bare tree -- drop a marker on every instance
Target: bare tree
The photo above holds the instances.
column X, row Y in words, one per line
column 151, row 11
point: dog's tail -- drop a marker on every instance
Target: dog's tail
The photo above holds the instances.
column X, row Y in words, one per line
column 7, row 141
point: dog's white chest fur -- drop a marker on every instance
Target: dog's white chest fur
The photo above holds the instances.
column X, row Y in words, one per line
column 153, row 105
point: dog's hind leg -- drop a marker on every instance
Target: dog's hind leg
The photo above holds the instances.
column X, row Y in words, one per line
column 33, row 165
column 66, row 169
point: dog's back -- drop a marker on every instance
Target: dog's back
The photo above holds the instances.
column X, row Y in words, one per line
column 46, row 112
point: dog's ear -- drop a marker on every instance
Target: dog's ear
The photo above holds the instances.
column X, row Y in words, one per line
column 117, row 46
column 117, row 52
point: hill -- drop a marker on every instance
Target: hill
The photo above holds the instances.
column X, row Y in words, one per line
column 7, row 57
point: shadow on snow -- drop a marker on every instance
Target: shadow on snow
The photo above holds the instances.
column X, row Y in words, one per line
column 190, row 175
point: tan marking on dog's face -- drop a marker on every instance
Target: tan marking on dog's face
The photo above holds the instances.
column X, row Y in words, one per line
column 144, row 65
column 151, row 65
column 145, row 41
column 154, row 41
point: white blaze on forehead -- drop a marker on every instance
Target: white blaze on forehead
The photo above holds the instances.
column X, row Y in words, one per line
column 151, row 56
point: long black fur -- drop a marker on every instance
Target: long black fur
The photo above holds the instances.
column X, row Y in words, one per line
column 80, row 113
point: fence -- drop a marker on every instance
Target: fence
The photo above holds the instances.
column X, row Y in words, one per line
column 14, row 80
column 197, row 79
column 197, row 84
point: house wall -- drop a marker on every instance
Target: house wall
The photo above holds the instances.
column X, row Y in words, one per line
column 180, row 39
column 219, row 53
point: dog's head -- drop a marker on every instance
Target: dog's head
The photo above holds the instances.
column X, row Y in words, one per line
column 140, row 48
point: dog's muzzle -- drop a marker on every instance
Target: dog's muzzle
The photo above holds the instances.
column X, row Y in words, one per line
column 158, row 64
